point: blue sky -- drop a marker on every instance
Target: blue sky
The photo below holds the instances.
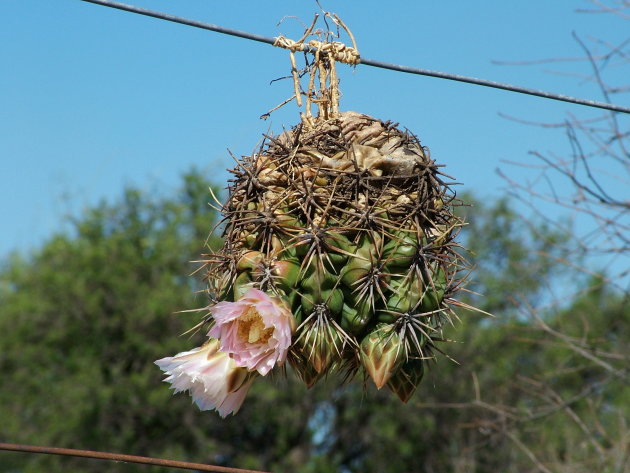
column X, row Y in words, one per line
column 93, row 99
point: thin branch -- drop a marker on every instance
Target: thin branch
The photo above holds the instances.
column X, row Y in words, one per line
column 527, row 452
column 570, row 343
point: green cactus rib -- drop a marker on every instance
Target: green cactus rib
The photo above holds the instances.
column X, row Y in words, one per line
column 352, row 224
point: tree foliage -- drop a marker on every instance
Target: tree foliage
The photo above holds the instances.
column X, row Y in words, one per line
column 84, row 317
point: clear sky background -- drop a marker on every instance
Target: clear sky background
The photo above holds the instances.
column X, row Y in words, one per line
column 93, row 99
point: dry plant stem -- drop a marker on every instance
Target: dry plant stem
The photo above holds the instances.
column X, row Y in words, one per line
column 343, row 25
column 310, row 90
column 296, row 80
column 294, row 69
column 527, row 452
column 607, row 225
column 334, row 89
column 571, row 343
column 597, row 164
column 603, row 8
column 324, row 91
column 266, row 115
column 509, row 419
column 550, row 396
column 604, row 90
column 326, row 54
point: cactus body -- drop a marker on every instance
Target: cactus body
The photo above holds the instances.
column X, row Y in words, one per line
column 351, row 223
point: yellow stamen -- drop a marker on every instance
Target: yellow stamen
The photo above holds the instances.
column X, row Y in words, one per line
column 251, row 327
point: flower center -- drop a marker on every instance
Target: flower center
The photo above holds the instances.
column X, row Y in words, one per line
column 252, row 329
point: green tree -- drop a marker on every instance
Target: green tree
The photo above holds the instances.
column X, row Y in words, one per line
column 84, row 317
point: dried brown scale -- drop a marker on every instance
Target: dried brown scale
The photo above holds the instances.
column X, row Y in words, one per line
column 360, row 219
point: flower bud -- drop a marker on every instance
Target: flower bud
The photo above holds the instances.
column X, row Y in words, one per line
column 250, row 239
column 321, row 344
column 304, row 369
column 407, row 378
column 382, row 352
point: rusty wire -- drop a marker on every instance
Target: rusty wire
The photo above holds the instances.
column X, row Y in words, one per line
column 120, row 457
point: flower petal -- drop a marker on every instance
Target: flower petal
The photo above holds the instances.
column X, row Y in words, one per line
column 212, row 377
column 255, row 330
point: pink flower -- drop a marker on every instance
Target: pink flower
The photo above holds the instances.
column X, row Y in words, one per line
column 255, row 330
column 211, row 376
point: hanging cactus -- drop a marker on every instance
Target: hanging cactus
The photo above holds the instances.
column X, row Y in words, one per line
column 338, row 256
column 351, row 224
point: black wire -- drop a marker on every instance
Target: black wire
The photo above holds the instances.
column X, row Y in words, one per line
column 183, row 21
column 497, row 85
column 369, row 62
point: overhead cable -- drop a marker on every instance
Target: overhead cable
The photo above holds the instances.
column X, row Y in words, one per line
column 368, row 62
